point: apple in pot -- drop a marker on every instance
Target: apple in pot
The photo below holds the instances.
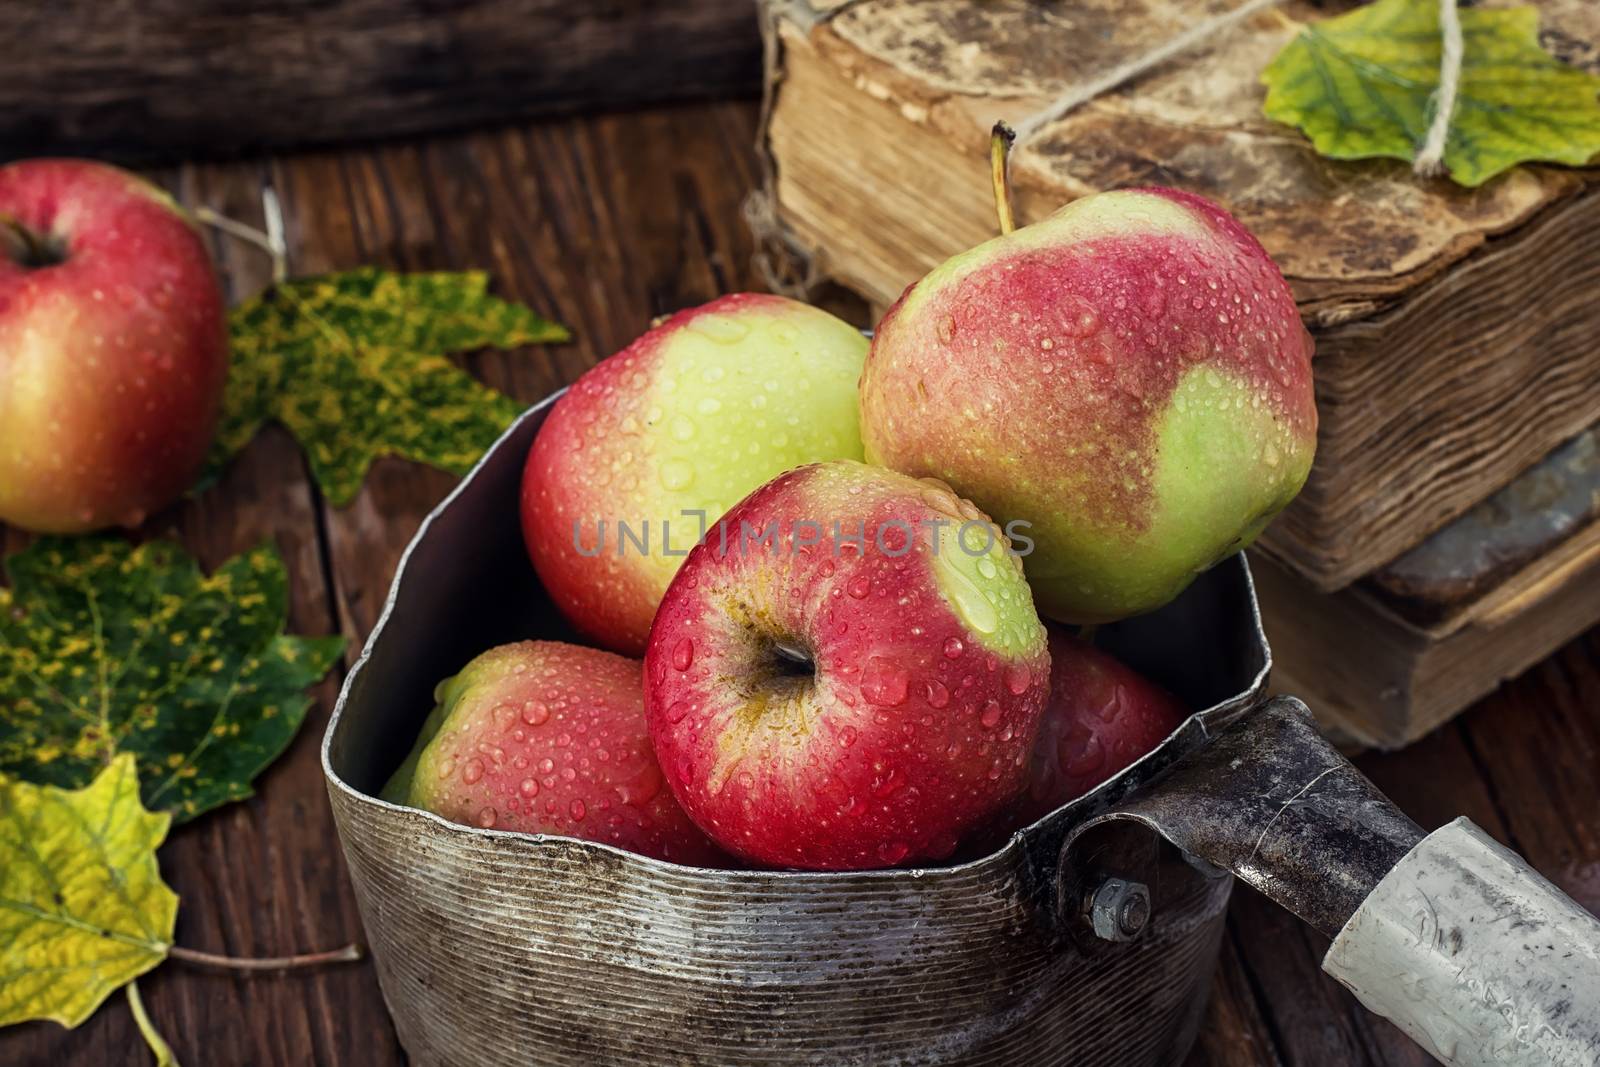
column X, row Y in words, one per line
column 653, row 444
column 546, row 737
column 1102, row 716
column 1129, row 375
column 113, row 347
column 848, row 673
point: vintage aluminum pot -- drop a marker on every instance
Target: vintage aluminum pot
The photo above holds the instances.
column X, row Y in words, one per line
column 1089, row 939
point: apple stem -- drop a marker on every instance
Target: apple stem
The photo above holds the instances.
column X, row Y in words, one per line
column 1000, row 141
column 347, row 954
column 21, row 245
column 271, row 241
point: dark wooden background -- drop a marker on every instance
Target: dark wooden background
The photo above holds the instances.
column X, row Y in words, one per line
column 603, row 223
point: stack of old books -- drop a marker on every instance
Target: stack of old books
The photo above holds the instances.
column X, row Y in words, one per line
column 1447, row 538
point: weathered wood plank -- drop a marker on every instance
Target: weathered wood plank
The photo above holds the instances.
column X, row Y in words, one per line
column 181, row 78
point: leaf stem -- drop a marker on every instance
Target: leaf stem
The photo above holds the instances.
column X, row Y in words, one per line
column 1000, row 140
column 271, row 241
column 347, row 954
column 147, row 1029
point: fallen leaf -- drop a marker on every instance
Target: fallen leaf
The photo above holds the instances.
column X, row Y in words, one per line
column 1361, row 85
column 83, row 909
column 106, row 648
column 355, row 365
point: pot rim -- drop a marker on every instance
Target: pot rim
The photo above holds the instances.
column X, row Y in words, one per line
column 1199, row 721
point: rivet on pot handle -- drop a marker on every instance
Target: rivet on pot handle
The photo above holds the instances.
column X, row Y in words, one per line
column 1449, row 935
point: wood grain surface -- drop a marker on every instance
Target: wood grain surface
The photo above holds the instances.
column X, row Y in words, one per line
column 179, row 79
column 603, row 223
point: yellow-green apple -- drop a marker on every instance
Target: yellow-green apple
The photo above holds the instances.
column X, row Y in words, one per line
column 1102, row 716
column 1130, row 376
column 549, row 738
column 652, row 445
column 848, row 673
column 113, row 349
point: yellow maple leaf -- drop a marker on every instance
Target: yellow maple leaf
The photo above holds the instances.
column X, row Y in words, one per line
column 83, row 909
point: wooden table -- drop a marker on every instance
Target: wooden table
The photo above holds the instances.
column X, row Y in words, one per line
column 603, row 223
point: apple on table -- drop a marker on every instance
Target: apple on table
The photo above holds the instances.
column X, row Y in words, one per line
column 113, row 347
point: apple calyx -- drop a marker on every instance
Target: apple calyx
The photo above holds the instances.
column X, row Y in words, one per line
column 28, row 248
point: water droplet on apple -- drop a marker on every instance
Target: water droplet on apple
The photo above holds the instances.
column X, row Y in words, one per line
column 986, row 567
column 723, row 329
column 892, row 852
column 643, row 788
column 676, row 474
column 887, row 783
column 486, row 818
column 859, row 587
column 473, row 771
column 681, row 428
column 678, row 710
column 1018, row 678
column 529, row 788
column 970, row 601
column 953, row 648
column 578, row 810
column 847, row 736
column 447, row 766
column 938, row 695
column 885, row 683
column 990, row 716
column 683, row 654
column 535, row 713
column 708, row 405
column 947, row 329
column 547, row 765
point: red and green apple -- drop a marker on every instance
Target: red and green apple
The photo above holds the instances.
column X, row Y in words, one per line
column 1102, row 716
column 848, row 673
column 113, row 347
column 1129, row 376
column 546, row 737
column 652, row 445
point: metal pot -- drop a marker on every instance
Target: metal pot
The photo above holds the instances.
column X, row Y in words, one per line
column 1089, row 938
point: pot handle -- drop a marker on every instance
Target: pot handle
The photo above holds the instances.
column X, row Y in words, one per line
column 1449, row 935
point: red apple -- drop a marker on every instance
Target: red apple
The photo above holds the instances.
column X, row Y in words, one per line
column 829, row 703
column 113, row 347
column 549, row 738
column 1130, row 376
column 669, row 432
column 1102, row 716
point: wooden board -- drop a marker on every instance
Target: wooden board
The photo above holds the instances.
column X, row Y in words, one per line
column 605, row 222
column 1453, row 326
column 189, row 78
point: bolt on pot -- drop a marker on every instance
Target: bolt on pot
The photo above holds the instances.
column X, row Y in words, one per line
column 1089, row 938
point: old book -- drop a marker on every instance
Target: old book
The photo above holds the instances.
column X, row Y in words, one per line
column 1394, row 655
column 1455, row 328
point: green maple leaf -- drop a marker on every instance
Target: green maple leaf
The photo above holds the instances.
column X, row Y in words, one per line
column 106, row 648
column 1361, row 85
column 354, row 364
column 83, row 909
